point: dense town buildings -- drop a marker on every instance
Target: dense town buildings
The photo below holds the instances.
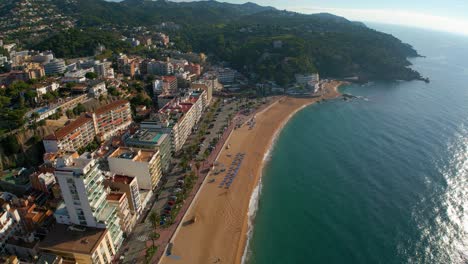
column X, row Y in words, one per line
column 97, row 198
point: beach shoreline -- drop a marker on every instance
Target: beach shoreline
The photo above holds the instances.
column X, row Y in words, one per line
column 334, row 89
column 222, row 227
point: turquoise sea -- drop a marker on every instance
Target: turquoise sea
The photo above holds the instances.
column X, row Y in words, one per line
column 380, row 179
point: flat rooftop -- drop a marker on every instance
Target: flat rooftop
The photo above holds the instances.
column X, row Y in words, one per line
column 148, row 136
column 64, row 239
column 135, row 154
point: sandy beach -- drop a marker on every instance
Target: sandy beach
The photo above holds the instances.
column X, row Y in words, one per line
column 219, row 234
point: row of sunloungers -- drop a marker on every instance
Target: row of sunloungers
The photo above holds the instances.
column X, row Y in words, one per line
column 232, row 172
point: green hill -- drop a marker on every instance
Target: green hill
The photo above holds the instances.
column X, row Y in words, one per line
column 243, row 35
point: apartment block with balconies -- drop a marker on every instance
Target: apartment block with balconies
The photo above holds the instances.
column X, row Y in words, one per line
column 143, row 164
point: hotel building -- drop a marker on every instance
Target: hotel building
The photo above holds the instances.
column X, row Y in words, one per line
column 143, row 164
column 155, row 140
column 307, row 79
column 182, row 114
column 80, row 181
column 104, row 123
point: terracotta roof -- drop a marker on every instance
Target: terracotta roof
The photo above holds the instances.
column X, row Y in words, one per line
column 83, row 119
column 169, row 78
column 110, row 106
column 50, row 137
column 123, row 179
column 114, row 196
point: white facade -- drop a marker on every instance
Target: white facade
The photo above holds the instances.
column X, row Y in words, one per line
column 49, row 87
column 307, row 79
column 85, row 196
column 9, row 224
column 145, row 165
column 157, row 86
column 98, row 90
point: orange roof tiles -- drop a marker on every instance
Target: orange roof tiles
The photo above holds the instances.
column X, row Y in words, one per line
column 110, row 106
column 64, row 131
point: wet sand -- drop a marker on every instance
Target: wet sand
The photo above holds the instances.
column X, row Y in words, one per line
column 219, row 234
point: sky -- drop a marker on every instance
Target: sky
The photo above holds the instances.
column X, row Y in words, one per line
column 442, row 15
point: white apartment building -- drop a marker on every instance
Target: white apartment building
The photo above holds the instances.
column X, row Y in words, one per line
column 143, row 164
column 97, row 89
column 307, row 79
column 9, row 223
column 81, row 183
column 181, row 115
column 120, row 202
column 43, row 88
column 129, row 186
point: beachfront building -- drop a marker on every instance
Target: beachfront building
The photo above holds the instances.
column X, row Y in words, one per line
column 223, row 75
column 119, row 201
column 80, row 181
column 181, row 114
column 104, row 123
column 307, row 79
column 129, row 186
column 143, row 164
column 84, row 245
column 202, row 85
column 156, row 140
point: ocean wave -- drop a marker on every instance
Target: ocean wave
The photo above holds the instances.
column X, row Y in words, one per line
column 444, row 235
column 253, row 207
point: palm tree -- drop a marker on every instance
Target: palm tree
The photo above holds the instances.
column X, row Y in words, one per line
column 154, row 236
column 153, row 218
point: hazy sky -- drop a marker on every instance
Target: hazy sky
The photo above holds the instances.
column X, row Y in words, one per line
column 444, row 15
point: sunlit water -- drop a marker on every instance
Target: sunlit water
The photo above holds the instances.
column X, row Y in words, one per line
column 381, row 180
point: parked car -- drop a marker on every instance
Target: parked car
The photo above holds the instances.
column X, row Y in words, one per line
column 173, row 198
column 177, row 190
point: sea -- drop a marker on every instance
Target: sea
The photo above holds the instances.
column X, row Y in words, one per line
column 382, row 178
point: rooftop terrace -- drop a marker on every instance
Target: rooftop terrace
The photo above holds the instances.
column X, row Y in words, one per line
column 137, row 155
column 83, row 240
